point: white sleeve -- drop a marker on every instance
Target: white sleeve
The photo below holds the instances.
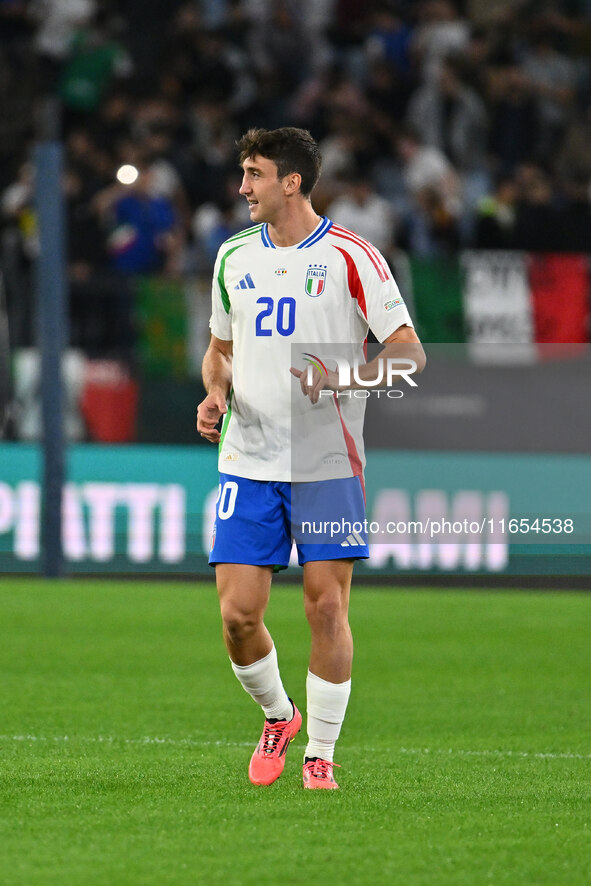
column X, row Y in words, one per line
column 385, row 307
column 220, row 321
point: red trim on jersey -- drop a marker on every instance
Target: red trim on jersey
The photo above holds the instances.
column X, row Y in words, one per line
column 354, row 280
column 354, row 459
column 371, row 252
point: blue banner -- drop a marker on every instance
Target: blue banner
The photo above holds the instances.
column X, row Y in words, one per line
column 149, row 509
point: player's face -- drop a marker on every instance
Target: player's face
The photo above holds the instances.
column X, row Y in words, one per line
column 262, row 188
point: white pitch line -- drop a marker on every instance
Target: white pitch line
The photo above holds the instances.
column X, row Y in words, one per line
column 458, row 752
column 111, row 739
column 199, row 743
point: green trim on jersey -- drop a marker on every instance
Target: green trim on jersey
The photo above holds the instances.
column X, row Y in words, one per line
column 241, row 235
column 247, row 232
column 226, row 421
column 221, row 282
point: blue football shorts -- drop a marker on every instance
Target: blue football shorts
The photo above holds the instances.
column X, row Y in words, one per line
column 257, row 521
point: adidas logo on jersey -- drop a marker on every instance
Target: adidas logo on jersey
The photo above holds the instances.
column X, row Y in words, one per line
column 245, row 283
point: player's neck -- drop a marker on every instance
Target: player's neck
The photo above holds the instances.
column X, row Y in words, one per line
column 294, row 225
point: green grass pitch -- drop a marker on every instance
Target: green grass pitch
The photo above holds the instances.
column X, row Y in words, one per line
column 125, row 740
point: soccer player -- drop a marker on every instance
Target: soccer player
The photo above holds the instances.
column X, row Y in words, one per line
column 292, row 278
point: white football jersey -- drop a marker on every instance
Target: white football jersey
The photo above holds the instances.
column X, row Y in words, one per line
column 283, row 307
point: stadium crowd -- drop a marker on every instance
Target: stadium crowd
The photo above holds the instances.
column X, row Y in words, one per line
column 442, row 125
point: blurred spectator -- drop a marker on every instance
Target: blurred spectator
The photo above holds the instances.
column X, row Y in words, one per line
column 93, row 164
column 58, row 21
column 362, row 210
column 329, row 96
column 19, row 88
column 514, row 130
column 95, row 58
column 215, row 13
column 16, row 206
column 101, row 314
column 154, row 142
column 349, row 139
column 213, row 136
column 489, row 12
column 552, row 78
column 279, row 40
column 349, row 24
column 15, row 31
column 434, row 196
column 113, row 119
column 204, row 65
column 388, row 93
column 545, row 221
column 449, row 115
column 389, row 40
column 473, row 63
column 144, row 232
column 440, row 33
column 539, row 225
column 19, row 247
column 574, row 159
column 497, row 213
column 215, row 222
column 146, row 24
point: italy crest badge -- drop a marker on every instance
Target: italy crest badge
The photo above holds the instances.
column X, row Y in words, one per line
column 315, row 280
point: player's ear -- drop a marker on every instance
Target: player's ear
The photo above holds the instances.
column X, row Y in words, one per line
column 292, row 183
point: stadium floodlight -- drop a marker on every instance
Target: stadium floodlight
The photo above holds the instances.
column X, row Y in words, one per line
column 127, row 174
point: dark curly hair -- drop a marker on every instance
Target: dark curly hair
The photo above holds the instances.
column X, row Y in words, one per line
column 290, row 148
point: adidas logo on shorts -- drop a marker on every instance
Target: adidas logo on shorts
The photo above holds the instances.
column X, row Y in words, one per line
column 353, row 540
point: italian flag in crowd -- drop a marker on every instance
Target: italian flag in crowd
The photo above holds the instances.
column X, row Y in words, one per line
column 501, row 298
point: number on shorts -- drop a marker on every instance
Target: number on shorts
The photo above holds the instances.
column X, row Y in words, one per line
column 227, row 499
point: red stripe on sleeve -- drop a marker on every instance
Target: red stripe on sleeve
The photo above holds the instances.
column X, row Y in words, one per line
column 354, row 280
column 369, row 250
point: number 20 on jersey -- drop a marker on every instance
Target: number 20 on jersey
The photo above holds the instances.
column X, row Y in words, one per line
column 273, row 317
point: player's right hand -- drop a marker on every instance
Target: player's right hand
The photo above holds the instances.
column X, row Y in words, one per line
column 209, row 413
column 312, row 381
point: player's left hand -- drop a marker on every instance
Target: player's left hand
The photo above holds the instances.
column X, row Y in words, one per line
column 314, row 381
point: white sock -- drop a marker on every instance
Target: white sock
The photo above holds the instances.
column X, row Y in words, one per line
column 327, row 703
column 263, row 683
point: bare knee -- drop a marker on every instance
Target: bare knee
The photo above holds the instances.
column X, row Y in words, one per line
column 326, row 612
column 240, row 624
column 243, row 592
